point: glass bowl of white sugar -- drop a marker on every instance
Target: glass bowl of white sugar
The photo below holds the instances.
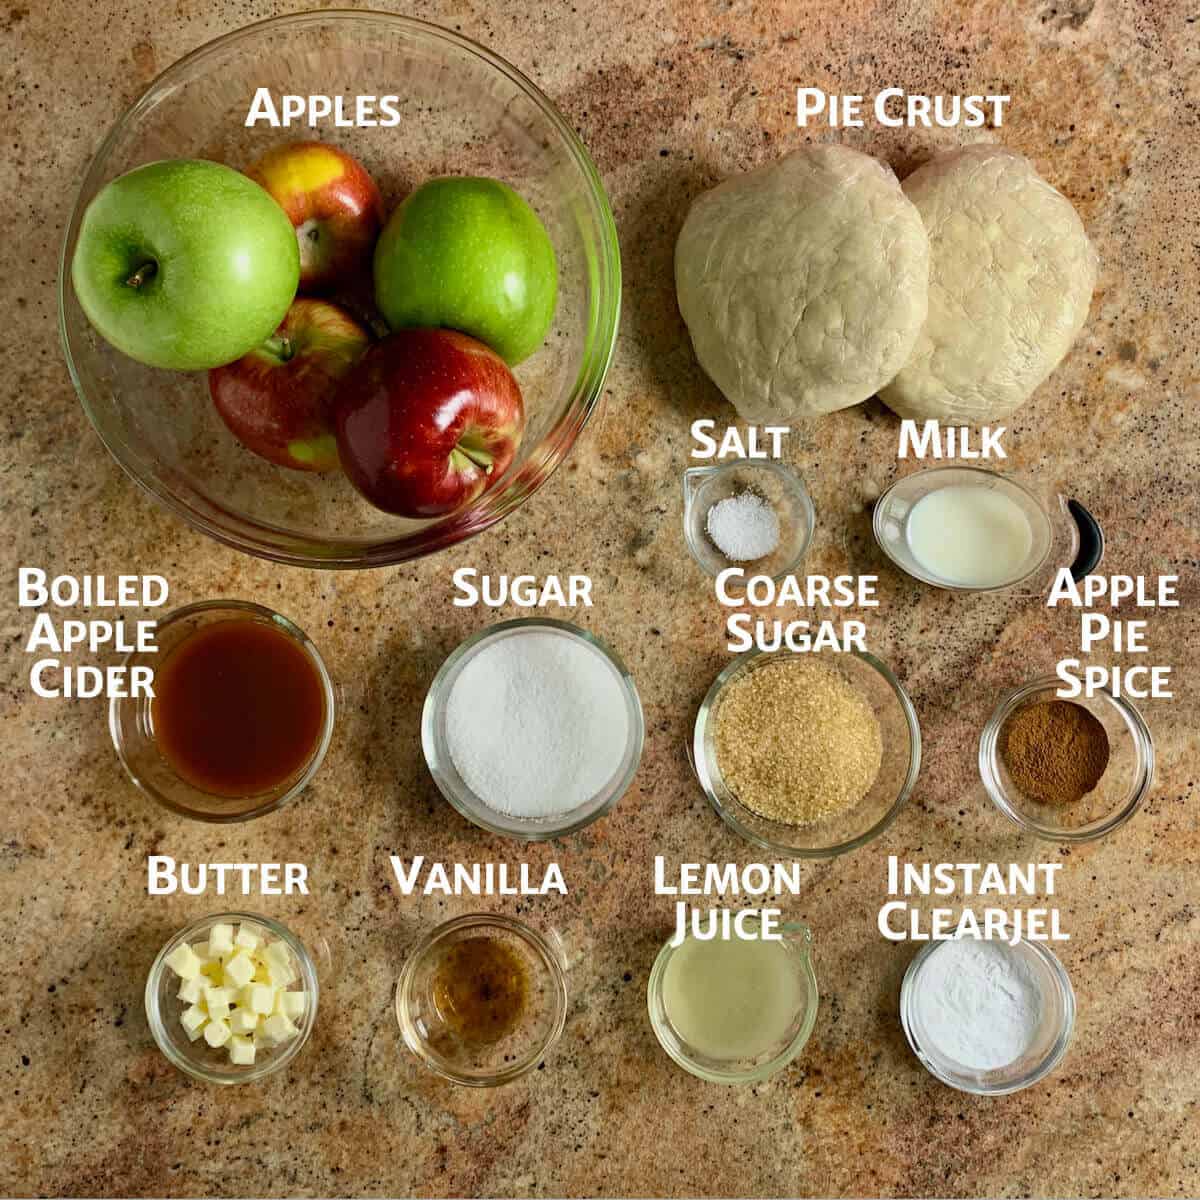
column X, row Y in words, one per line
column 752, row 513
column 532, row 729
column 987, row 1017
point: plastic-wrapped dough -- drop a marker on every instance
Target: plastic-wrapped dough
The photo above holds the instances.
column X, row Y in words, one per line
column 803, row 284
column 1011, row 279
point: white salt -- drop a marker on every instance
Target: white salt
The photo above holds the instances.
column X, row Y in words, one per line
column 536, row 724
column 743, row 527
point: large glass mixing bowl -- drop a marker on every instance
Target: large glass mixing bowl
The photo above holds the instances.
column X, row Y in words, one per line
column 464, row 111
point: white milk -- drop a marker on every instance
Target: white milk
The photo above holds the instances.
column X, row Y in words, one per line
column 970, row 536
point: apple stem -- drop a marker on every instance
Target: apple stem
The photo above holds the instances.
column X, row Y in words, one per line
column 478, row 455
column 143, row 274
column 280, row 346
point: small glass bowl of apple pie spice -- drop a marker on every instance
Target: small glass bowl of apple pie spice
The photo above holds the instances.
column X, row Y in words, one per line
column 232, row 998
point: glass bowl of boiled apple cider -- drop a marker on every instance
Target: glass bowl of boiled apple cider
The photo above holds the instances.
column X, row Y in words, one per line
column 442, row 106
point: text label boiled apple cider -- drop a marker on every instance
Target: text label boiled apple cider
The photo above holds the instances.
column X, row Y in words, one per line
column 52, row 678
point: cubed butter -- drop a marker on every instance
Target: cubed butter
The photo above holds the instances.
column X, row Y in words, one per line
column 216, row 1033
column 184, row 961
column 217, row 1001
column 236, row 988
column 220, row 940
column 259, row 998
column 278, row 1028
column 243, row 1022
column 191, row 990
column 241, row 1051
column 193, row 1018
column 280, row 973
column 248, row 937
column 238, row 970
column 277, row 952
column 293, row 1004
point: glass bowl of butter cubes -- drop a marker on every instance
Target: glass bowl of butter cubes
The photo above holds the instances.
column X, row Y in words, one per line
column 232, row 998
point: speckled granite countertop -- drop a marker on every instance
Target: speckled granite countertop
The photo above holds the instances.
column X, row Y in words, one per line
column 669, row 98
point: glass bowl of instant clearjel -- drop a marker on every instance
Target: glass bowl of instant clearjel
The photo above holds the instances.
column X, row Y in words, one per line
column 809, row 755
column 232, row 998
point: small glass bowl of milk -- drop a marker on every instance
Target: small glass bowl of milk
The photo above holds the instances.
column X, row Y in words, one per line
column 970, row 530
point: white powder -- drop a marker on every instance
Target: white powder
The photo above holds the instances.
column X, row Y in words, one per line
column 743, row 527
column 979, row 1003
column 536, row 724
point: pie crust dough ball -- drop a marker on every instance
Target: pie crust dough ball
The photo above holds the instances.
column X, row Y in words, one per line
column 1010, row 283
column 804, row 283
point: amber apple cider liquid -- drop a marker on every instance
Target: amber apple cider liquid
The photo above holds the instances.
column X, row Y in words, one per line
column 238, row 708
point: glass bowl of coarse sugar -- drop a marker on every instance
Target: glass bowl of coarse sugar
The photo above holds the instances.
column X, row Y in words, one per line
column 807, row 754
column 532, row 729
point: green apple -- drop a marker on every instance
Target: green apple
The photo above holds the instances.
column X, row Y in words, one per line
column 468, row 254
column 185, row 264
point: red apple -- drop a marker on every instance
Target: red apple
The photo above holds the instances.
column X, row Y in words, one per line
column 331, row 201
column 276, row 399
column 427, row 420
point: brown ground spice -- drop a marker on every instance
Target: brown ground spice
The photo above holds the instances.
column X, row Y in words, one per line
column 1055, row 751
column 797, row 742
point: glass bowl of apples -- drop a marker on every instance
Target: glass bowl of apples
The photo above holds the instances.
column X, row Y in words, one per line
column 340, row 289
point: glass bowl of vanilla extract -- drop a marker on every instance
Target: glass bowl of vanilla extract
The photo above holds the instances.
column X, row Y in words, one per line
column 482, row 999
column 240, row 718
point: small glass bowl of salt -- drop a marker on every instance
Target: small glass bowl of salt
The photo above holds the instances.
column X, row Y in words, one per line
column 987, row 1017
column 750, row 513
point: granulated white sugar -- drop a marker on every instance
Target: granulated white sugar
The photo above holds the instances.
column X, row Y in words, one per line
column 743, row 527
column 536, row 724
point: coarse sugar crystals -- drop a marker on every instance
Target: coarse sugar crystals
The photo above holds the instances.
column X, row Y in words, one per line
column 537, row 723
column 797, row 742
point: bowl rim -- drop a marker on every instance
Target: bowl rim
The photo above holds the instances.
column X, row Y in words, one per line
column 545, row 952
column 274, row 542
column 745, row 662
column 156, row 1019
column 672, row 1046
column 974, row 1084
column 472, row 807
column 942, row 584
column 246, row 609
column 989, row 751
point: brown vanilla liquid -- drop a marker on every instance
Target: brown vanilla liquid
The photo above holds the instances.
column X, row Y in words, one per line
column 481, row 989
column 238, row 708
